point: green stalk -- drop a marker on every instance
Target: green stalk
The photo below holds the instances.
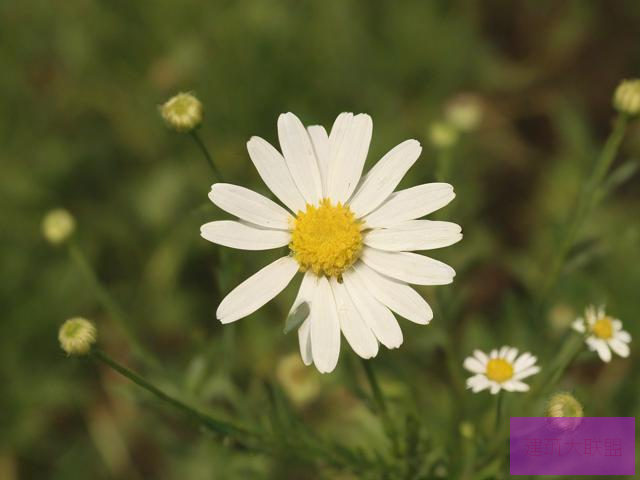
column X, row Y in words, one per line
column 216, row 426
column 381, row 405
column 207, row 155
column 499, row 402
column 107, row 301
column 585, row 202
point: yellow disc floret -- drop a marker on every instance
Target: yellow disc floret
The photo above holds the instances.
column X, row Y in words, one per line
column 603, row 328
column 499, row 370
column 326, row 239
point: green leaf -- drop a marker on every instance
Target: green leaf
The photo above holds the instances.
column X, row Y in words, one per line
column 295, row 318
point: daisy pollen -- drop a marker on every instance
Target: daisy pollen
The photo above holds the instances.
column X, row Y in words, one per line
column 326, row 239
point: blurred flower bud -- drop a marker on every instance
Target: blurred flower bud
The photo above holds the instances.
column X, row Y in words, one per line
column 564, row 412
column 626, row 98
column 467, row 430
column 442, row 135
column 77, row 335
column 299, row 382
column 464, row 112
column 57, row 226
column 182, row 113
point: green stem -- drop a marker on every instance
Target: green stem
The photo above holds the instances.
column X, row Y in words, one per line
column 584, row 204
column 443, row 164
column 572, row 347
column 381, row 404
column 215, row 426
column 499, row 402
column 203, row 148
column 103, row 295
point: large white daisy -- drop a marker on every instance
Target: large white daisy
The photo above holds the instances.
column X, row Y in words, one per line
column 351, row 235
column 603, row 333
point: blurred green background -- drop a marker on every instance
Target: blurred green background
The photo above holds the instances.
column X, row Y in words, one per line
column 80, row 84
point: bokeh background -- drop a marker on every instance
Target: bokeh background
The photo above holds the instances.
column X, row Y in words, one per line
column 81, row 82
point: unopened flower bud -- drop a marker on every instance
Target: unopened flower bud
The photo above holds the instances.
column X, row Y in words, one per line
column 57, row 226
column 442, row 135
column 77, row 335
column 182, row 112
column 626, row 98
column 464, row 112
column 564, row 412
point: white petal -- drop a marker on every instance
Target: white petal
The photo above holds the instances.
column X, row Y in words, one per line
column 493, row 354
column 619, row 347
column 305, row 294
column 408, row 267
column 414, row 235
column 348, row 146
column 320, row 141
column 250, row 206
column 357, row 333
column 473, row 365
column 503, row 351
column 257, row 290
column 511, row 355
column 603, row 350
column 495, row 387
column 243, row 236
column 396, row 295
column 515, row 386
column 527, row 372
column 325, row 328
column 578, row 325
column 274, row 172
column 409, row 204
column 624, row 336
column 478, row 383
column 378, row 317
column 384, row 177
column 525, row 360
column 300, row 158
column 480, row 355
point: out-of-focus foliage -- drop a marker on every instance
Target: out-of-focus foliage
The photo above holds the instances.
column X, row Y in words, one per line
column 80, row 85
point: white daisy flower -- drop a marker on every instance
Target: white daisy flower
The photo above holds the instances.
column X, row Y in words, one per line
column 603, row 333
column 351, row 235
column 501, row 369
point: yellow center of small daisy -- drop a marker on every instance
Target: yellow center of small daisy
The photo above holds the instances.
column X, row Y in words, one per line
column 326, row 239
column 603, row 328
column 499, row 370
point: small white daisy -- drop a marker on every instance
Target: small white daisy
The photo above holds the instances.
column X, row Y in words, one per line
column 500, row 370
column 603, row 333
column 352, row 235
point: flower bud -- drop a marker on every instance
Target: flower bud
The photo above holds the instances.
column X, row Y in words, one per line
column 182, row 112
column 564, row 412
column 626, row 98
column 57, row 226
column 77, row 335
column 464, row 112
column 442, row 135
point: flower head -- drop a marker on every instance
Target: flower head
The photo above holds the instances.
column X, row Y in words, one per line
column 464, row 112
column 603, row 333
column 501, row 369
column 182, row 112
column 564, row 412
column 77, row 335
column 626, row 98
column 57, row 226
column 351, row 235
column 443, row 134
column 300, row 383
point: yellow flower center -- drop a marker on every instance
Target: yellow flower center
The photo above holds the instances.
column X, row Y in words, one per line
column 603, row 328
column 499, row 370
column 326, row 239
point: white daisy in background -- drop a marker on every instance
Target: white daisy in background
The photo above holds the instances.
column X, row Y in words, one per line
column 350, row 234
column 501, row 369
column 603, row 333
